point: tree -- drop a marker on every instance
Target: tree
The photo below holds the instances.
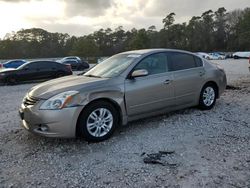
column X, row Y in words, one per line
column 85, row 47
column 168, row 20
column 221, row 29
column 140, row 40
column 243, row 30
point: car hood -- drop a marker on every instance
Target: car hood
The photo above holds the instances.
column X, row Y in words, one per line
column 68, row 83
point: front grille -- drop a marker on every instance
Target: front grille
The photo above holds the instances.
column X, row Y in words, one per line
column 30, row 101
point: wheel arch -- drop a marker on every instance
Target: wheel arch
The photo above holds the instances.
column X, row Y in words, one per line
column 111, row 101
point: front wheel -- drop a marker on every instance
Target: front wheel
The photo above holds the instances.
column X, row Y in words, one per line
column 11, row 81
column 98, row 121
column 207, row 97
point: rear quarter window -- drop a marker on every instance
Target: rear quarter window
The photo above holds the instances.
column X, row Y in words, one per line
column 198, row 61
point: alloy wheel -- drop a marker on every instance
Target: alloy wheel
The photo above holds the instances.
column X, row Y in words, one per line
column 208, row 96
column 99, row 122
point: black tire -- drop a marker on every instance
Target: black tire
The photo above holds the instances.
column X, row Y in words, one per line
column 206, row 105
column 11, row 81
column 82, row 129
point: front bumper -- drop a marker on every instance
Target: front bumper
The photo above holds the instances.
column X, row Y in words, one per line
column 50, row 123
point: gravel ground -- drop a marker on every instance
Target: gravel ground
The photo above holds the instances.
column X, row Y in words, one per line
column 197, row 148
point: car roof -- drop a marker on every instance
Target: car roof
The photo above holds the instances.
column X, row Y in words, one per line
column 71, row 57
column 37, row 61
column 155, row 50
column 67, row 60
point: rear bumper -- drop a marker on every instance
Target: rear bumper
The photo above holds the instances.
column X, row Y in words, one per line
column 223, row 84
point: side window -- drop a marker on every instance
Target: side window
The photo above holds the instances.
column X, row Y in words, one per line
column 198, row 61
column 45, row 65
column 154, row 64
column 182, row 61
column 31, row 66
column 71, row 62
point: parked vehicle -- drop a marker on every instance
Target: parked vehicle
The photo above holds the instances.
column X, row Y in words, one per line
column 13, row 63
column 123, row 88
column 245, row 55
column 203, row 55
column 216, row 56
column 71, row 58
column 35, row 70
column 76, row 65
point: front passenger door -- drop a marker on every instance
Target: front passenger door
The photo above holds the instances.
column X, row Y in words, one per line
column 28, row 72
column 152, row 92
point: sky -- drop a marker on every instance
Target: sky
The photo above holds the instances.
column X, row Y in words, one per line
column 80, row 17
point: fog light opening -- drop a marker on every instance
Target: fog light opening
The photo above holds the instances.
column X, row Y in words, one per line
column 43, row 128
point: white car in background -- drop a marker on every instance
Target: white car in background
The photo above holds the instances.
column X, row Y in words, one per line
column 216, row 56
column 238, row 55
column 203, row 55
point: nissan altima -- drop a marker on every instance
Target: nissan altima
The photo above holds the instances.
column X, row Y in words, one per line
column 125, row 87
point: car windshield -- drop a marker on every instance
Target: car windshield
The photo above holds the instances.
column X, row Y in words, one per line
column 112, row 66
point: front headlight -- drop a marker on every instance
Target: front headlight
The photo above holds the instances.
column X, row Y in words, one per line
column 62, row 100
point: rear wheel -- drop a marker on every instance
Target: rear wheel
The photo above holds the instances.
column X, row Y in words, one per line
column 59, row 74
column 208, row 97
column 98, row 121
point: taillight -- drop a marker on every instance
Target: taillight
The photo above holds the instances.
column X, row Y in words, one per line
column 1, row 66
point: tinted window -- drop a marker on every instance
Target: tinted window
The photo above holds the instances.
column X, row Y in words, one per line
column 198, row 61
column 181, row 61
column 46, row 65
column 70, row 62
column 32, row 66
column 154, row 64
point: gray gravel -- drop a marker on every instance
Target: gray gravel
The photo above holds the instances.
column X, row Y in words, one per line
column 211, row 148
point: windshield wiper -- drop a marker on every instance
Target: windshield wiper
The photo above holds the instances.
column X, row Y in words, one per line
column 94, row 76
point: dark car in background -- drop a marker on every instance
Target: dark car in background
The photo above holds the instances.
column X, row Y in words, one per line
column 76, row 65
column 71, row 58
column 35, row 70
column 76, row 62
column 13, row 63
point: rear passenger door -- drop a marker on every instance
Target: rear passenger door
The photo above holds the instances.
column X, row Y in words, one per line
column 188, row 72
column 46, row 69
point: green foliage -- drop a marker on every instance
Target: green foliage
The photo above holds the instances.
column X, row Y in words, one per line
column 85, row 47
column 212, row 31
column 243, row 30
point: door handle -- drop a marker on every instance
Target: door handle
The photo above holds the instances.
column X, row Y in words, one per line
column 167, row 82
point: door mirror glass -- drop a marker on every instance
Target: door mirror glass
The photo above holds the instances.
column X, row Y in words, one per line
column 139, row 73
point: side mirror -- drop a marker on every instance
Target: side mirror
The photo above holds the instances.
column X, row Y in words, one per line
column 139, row 73
column 26, row 68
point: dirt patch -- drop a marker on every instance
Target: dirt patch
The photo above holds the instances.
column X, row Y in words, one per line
column 211, row 149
